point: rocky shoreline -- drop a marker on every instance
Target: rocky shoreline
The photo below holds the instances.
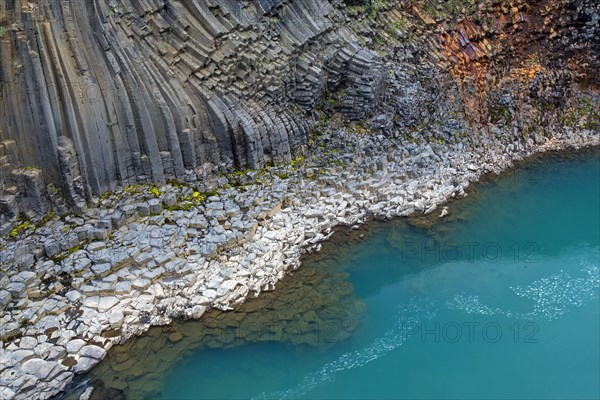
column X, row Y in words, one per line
column 76, row 285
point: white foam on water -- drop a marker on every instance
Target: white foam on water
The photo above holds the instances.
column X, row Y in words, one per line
column 407, row 319
column 553, row 297
column 471, row 304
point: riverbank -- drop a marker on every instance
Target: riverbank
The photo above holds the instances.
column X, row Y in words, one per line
column 148, row 255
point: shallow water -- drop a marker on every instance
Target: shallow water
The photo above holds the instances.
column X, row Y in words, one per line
column 501, row 300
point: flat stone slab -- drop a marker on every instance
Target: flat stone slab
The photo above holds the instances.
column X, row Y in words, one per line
column 84, row 364
column 41, row 369
column 75, row 345
column 92, row 351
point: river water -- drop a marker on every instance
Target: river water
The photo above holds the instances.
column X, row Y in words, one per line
column 498, row 300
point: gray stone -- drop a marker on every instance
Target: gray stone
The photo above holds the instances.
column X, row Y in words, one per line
column 116, row 319
column 143, row 209
column 57, row 353
column 198, row 222
column 43, row 349
column 5, row 297
column 92, row 351
column 101, row 269
column 28, row 342
column 104, row 224
column 7, row 393
column 217, row 205
column 123, row 287
column 84, row 364
column 101, row 234
column 87, row 393
column 51, row 247
column 73, row 296
column 17, row 289
column 141, row 284
column 155, row 206
column 106, row 303
column 143, row 259
column 23, row 355
column 25, row 383
column 27, row 277
column 198, row 311
column 44, row 370
column 75, row 345
column 117, row 219
column 210, row 294
column 170, row 199
column 25, row 260
column 82, row 264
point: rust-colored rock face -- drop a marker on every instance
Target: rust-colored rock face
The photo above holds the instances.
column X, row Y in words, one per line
column 542, row 43
column 97, row 94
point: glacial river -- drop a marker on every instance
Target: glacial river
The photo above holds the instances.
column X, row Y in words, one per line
column 498, row 300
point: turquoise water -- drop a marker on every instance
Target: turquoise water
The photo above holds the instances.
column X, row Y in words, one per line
column 501, row 300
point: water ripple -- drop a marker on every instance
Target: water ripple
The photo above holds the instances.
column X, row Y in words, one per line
column 407, row 318
column 553, row 297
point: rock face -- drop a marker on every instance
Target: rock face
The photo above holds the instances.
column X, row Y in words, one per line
column 101, row 94
column 97, row 95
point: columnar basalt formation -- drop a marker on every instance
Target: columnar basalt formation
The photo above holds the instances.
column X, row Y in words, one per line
column 99, row 94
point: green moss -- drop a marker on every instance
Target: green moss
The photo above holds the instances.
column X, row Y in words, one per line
column 499, row 114
column 18, row 229
column 12, row 337
column 61, row 256
column 187, row 203
column 197, row 196
column 181, row 207
column 376, row 6
column 105, row 196
column 45, row 219
column 154, row 191
column 51, row 189
column 450, row 9
column 241, row 173
column 296, row 161
column 264, row 170
column 134, row 189
column 356, row 10
column 360, row 129
column 581, row 115
column 23, row 224
column 175, row 183
column 401, row 24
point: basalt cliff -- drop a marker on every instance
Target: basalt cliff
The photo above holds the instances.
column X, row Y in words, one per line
column 99, row 94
